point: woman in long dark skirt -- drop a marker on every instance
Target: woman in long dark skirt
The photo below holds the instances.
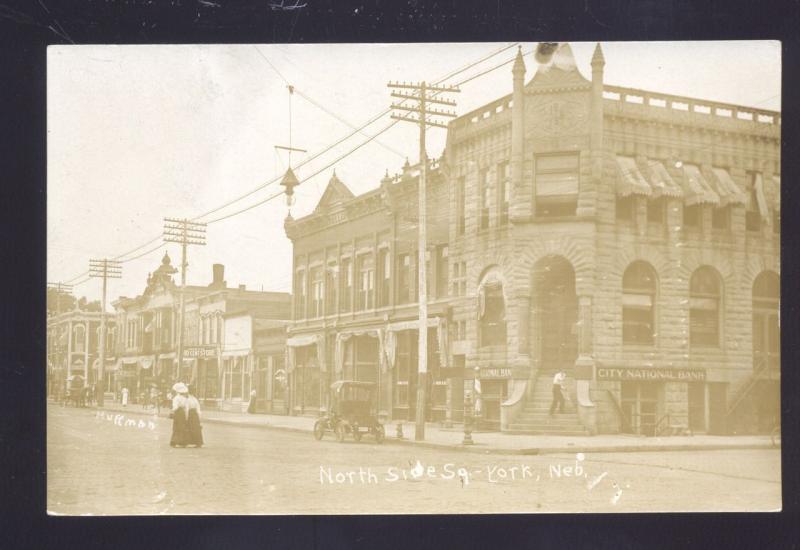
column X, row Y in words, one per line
column 180, row 424
column 194, row 429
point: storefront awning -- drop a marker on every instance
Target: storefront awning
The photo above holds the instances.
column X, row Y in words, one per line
column 236, row 353
column 728, row 191
column 300, row 341
column 630, row 180
column 295, row 342
column 697, row 190
column 660, row 181
column 111, row 363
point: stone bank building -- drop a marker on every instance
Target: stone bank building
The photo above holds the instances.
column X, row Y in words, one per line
column 629, row 237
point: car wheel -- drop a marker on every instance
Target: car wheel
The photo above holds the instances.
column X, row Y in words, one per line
column 319, row 429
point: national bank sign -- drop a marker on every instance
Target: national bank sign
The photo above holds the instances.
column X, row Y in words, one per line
column 651, row 374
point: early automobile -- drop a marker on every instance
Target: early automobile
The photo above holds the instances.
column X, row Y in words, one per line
column 351, row 411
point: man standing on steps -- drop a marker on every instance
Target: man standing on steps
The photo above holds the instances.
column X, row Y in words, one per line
column 558, row 388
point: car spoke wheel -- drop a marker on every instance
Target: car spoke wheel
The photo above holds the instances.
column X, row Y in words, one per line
column 319, row 429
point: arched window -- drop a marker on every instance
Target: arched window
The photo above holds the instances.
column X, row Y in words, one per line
column 638, row 304
column 704, row 306
column 766, row 326
column 79, row 343
column 492, row 312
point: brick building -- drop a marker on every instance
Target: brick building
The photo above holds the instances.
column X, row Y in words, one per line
column 73, row 349
column 147, row 343
column 626, row 236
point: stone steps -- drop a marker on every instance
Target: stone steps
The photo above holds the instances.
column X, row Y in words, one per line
column 534, row 418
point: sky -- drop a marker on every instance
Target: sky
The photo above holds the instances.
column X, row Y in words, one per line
column 139, row 133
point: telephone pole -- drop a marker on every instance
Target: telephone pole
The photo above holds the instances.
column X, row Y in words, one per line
column 183, row 232
column 104, row 269
column 60, row 288
column 418, row 95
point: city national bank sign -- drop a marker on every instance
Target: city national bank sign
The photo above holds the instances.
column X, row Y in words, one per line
column 651, row 375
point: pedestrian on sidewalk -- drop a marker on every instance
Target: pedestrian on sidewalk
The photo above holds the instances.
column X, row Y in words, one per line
column 125, row 397
column 180, row 429
column 558, row 389
column 251, row 407
column 194, row 428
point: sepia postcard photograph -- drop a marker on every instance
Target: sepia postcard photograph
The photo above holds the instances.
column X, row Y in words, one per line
column 413, row 278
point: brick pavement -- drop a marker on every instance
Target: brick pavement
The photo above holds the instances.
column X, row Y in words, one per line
column 493, row 442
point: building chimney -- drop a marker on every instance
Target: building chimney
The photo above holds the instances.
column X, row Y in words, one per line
column 218, row 280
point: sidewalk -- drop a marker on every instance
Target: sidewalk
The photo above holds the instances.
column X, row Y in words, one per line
column 487, row 442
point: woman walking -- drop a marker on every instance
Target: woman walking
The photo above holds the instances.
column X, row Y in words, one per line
column 194, row 429
column 180, row 425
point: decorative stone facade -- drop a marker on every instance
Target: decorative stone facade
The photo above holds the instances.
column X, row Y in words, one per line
column 624, row 229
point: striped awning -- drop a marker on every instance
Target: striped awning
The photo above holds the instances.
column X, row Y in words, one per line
column 660, row 181
column 728, row 191
column 630, row 180
column 696, row 189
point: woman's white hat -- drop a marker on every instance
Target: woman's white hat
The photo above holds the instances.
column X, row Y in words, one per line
column 180, row 387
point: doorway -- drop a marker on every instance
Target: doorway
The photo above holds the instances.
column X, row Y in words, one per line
column 558, row 314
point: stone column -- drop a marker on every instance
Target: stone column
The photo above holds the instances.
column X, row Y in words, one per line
column 519, row 207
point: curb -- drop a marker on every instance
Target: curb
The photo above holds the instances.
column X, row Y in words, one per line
column 479, row 448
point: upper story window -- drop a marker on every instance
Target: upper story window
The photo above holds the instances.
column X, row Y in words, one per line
column 130, row 334
column 638, row 304
column 330, row 288
column 503, row 192
column 403, row 278
column 346, row 276
column 557, row 178
column 317, row 294
column 492, row 314
column 461, row 206
column 366, row 282
column 721, row 217
column 704, row 307
column 657, row 211
column 79, row 339
column 692, row 215
column 459, row 278
column 385, row 277
column 626, row 208
column 442, row 271
column 485, row 193
column 300, row 295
